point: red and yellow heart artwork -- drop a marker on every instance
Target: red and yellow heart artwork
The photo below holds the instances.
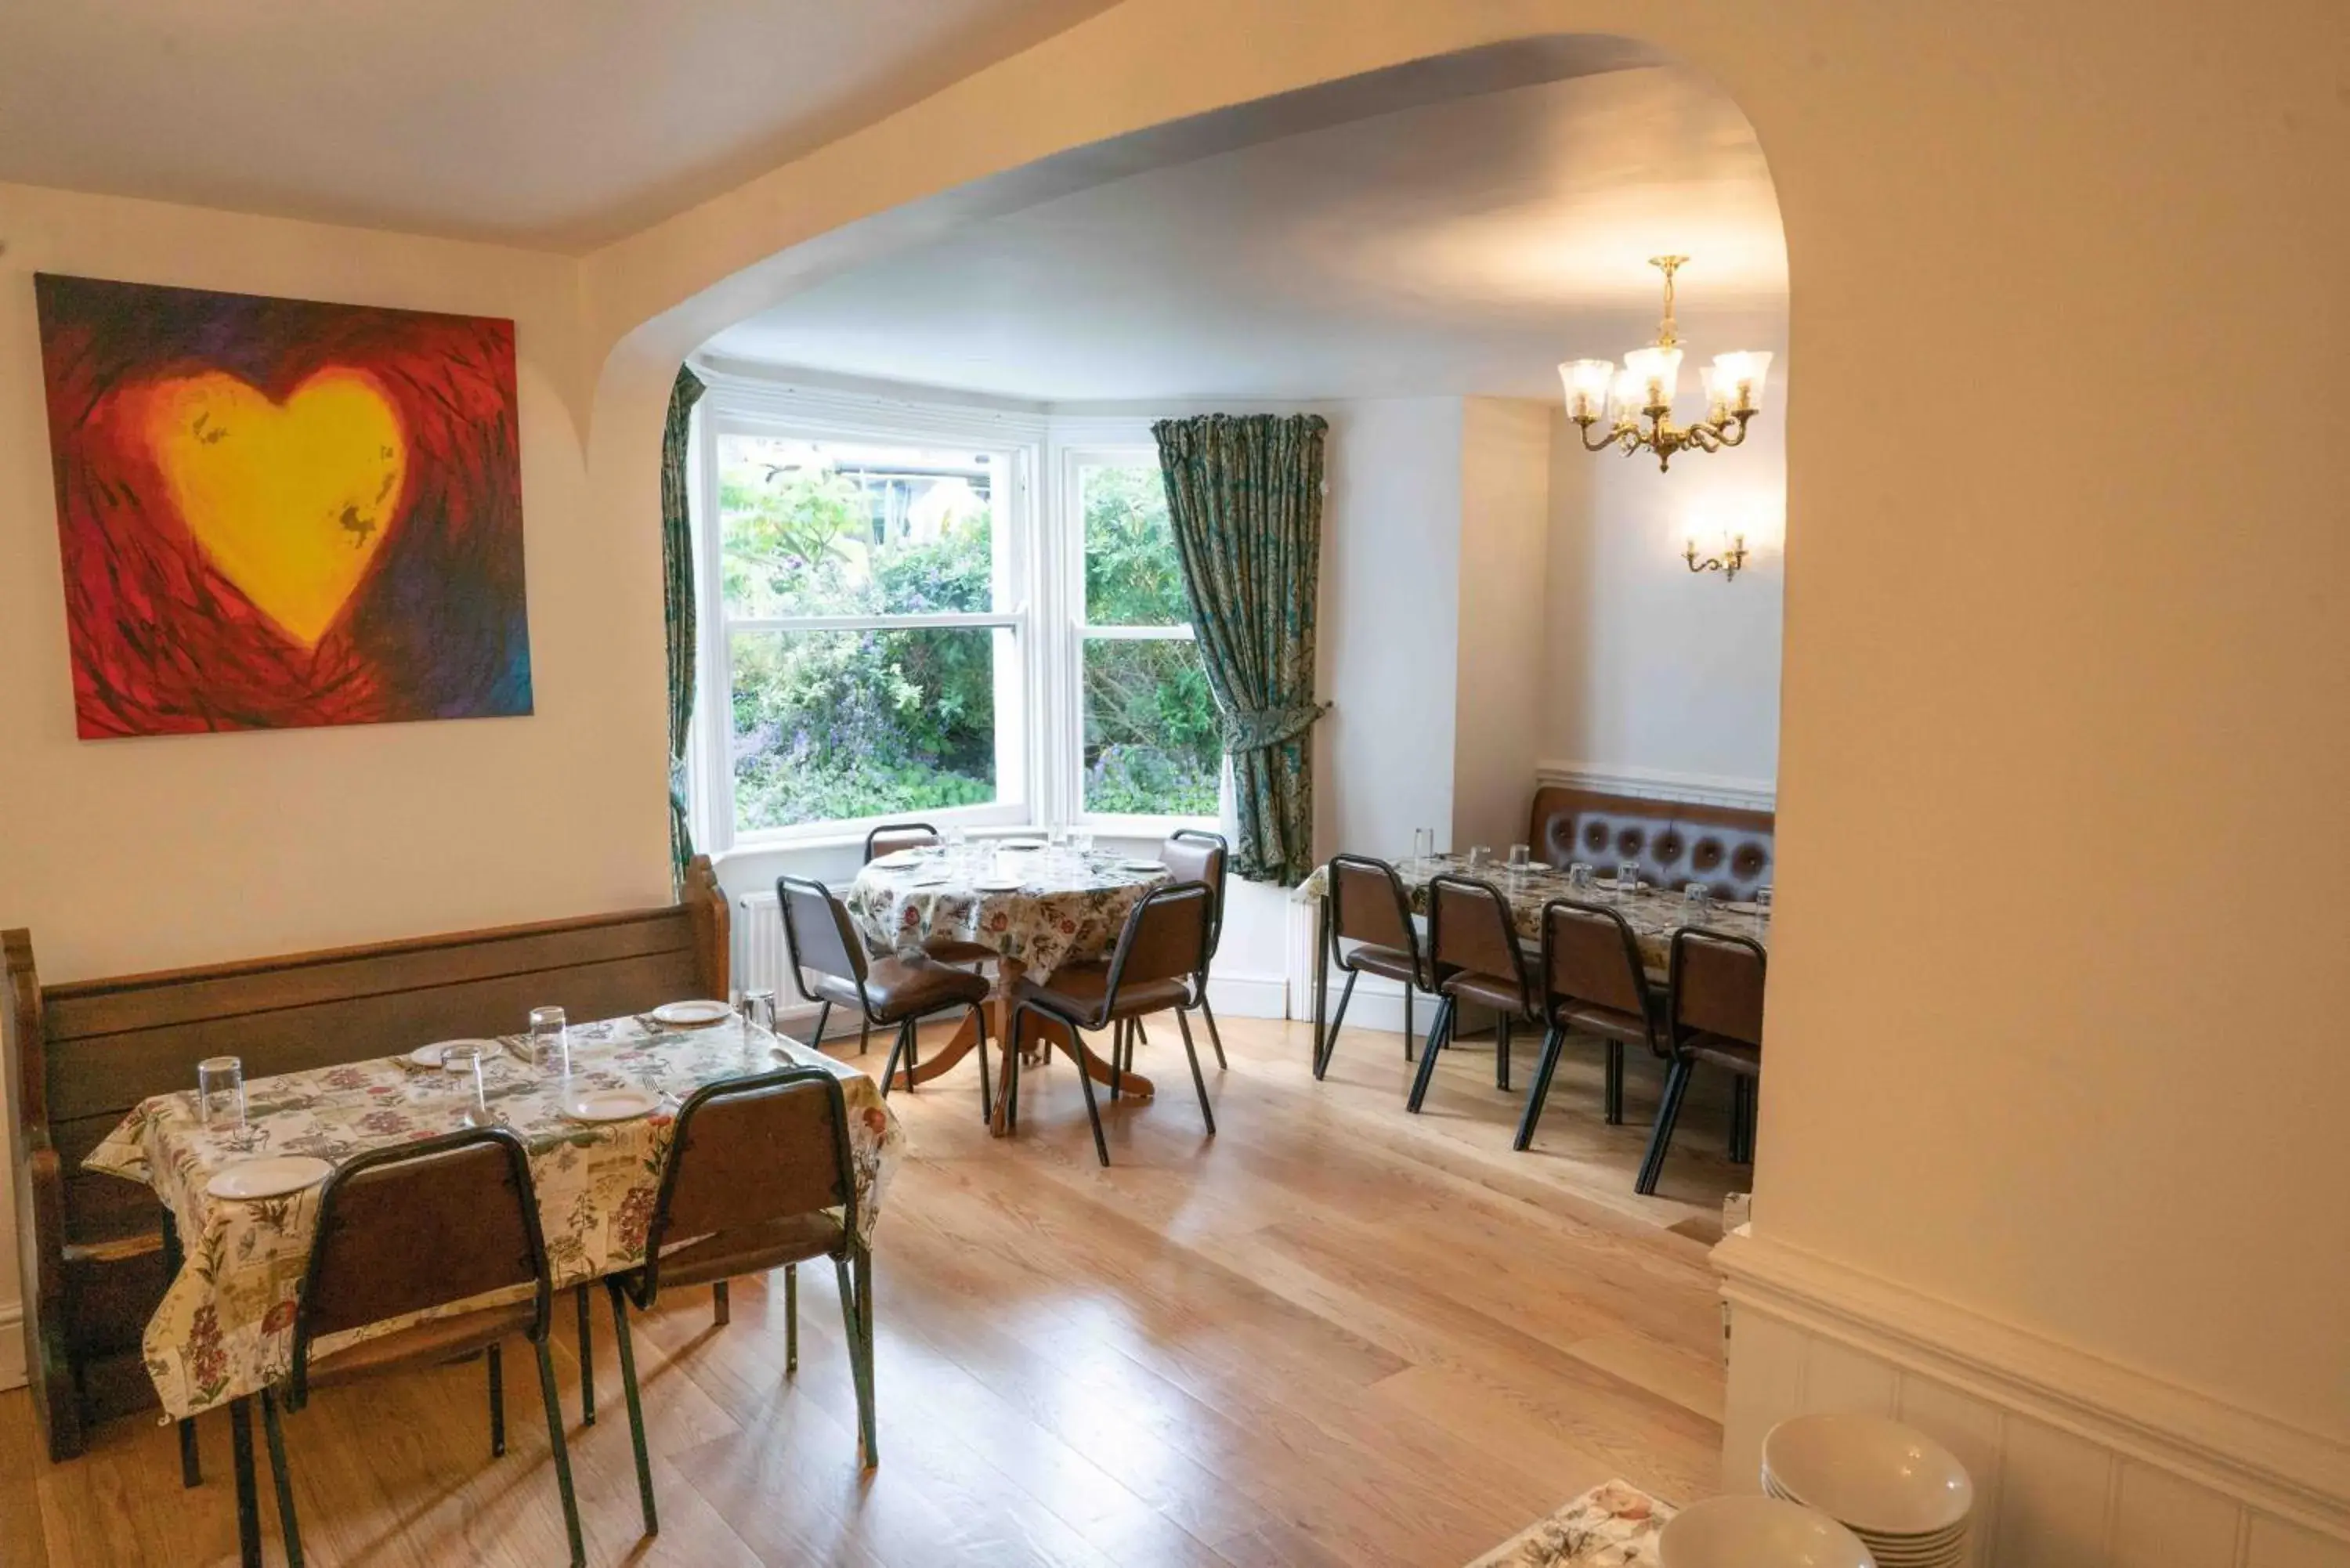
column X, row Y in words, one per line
column 277, row 513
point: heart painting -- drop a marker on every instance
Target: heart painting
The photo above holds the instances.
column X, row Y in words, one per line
column 276, row 514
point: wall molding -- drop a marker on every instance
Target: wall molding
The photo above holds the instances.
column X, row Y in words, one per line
column 2243, row 1454
column 1662, row 783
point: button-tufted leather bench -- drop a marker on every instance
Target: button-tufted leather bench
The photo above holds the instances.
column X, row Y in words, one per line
column 1674, row 842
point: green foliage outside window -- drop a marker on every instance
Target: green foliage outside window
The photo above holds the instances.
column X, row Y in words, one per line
column 1153, row 743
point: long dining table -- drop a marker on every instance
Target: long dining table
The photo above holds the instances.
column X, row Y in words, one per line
column 1653, row 913
column 224, row 1330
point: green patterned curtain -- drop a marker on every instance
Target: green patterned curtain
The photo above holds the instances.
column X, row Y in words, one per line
column 1245, row 497
column 677, row 605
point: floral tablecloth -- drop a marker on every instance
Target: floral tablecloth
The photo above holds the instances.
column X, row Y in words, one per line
column 1066, row 907
column 226, row 1326
column 1653, row 913
column 1610, row 1526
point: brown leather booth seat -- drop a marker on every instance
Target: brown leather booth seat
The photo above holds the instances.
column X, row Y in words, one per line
column 1728, row 848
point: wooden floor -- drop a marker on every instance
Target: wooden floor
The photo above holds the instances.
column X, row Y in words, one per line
column 1335, row 1334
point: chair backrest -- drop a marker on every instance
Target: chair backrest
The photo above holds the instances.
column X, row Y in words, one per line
column 751, row 1150
column 1166, row 937
column 420, row 1225
column 817, row 934
column 1715, row 983
column 1367, row 904
column 891, row 836
column 1195, row 855
column 1471, row 927
column 1590, row 955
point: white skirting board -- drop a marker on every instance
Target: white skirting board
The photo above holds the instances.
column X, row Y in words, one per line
column 2079, row 1463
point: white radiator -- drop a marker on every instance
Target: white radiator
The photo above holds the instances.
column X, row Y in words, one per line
column 759, row 947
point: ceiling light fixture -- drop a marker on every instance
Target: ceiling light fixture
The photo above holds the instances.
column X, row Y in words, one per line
column 1645, row 386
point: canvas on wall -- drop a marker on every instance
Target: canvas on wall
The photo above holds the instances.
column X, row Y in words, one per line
column 277, row 513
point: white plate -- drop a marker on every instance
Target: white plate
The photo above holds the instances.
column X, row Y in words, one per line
column 998, row 885
column 430, row 1055
column 691, row 1014
column 898, row 858
column 1020, row 844
column 1874, row 1474
column 273, row 1175
column 1140, row 865
column 609, row 1104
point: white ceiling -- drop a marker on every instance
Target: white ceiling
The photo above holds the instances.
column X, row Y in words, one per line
column 554, row 123
column 1463, row 246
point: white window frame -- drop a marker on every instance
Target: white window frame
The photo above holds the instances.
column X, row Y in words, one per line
column 734, row 405
column 1080, row 443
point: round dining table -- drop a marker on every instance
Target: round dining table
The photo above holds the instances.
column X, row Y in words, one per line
column 1037, row 907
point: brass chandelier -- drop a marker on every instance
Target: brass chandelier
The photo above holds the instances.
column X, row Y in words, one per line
column 1644, row 388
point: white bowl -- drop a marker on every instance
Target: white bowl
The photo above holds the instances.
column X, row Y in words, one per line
column 1757, row 1533
column 1876, row 1476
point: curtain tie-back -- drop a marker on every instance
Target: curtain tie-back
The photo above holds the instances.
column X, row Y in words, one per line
column 1257, row 728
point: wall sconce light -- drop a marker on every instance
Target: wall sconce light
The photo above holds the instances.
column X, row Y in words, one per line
column 1729, row 563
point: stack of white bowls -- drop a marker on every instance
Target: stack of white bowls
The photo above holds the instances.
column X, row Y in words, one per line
column 1903, row 1494
column 1756, row 1532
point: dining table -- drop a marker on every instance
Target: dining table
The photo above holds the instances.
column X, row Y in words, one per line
column 224, row 1329
column 1654, row 912
column 1038, row 906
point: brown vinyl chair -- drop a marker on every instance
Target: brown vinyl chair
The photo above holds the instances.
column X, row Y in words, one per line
column 1593, row 983
column 1195, row 855
column 1474, row 956
column 899, row 989
column 1369, row 909
column 1713, row 992
column 411, row 1227
column 759, row 1177
column 891, row 837
column 1162, row 949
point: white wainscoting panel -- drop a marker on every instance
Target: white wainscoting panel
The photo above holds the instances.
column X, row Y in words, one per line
column 11, row 1346
column 2077, row 1465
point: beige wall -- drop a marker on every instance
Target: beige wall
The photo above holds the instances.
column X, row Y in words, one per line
column 140, row 854
column 2066, row 691
column 2057, row 613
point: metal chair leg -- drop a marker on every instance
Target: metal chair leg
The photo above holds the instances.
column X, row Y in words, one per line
column 1406, row 1019
column 1501, row 1052
column 889, row 1068
column 1012, row 1072
column 815, row 1035
column 629, row 1391
column 1615, row 1091
column 1337, row 1019
column 857, row 1316
column 1214, row 1038
column 1438, row 1030
column 248, row 1496
column 586, row 1362
column 561, row 1451
column 864, row 1036
column 280, row 1479
column 1207, row 1112
column 1093, row 1109
column 191, row 1465
column 1668, row 1109
column 722, row 1307
column 497, row 1403
column 1553, row 1042
column 791, row 1319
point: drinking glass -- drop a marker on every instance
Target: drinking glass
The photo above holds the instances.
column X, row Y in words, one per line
column 1697, row 905
column 219, row 1093
column 1081, row 841
column 1578, row 876
column 758, row 1009
column 550, row 1042
column 1762, row 906
column 1055, row 836
column 462, row 1065
column 1423, row 845
column 1521, row 858
column 1627, row 880
column 1480, row 856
